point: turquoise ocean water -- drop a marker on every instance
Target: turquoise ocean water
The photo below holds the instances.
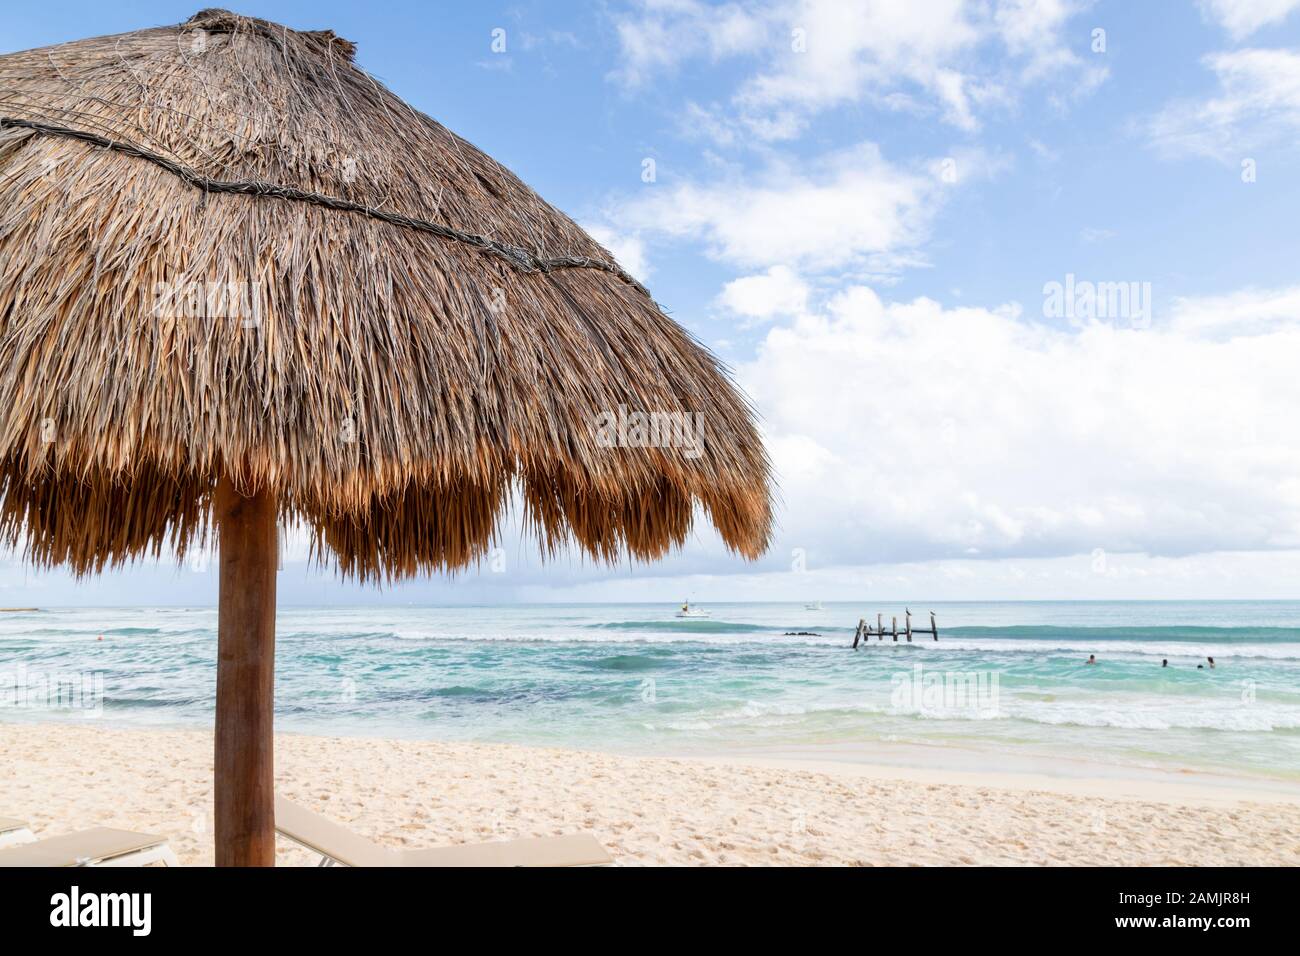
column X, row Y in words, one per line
column 1004, row 678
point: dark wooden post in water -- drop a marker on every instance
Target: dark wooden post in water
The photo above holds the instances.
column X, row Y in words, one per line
column 863, row 634
column 244, row 788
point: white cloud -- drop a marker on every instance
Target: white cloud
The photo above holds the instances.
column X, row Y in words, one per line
column 666, row 33
column 627, row 250
column 1226, row 575
column 954, row 57
column 776, row 292
column 704, row 122
column 862, row 48
column 1243, row 17
column 849, row 208
column 1247, row 312
column 550, row 38
column 1044, row 152
column 1257, row 105
column 909, row 431
column 1092, row 234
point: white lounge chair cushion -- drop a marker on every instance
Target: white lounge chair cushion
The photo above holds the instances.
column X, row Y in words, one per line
column 329, row 838
column 337, row 842
column 86, row 846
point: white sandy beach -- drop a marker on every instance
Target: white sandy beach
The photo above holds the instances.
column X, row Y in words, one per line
column 646, row 811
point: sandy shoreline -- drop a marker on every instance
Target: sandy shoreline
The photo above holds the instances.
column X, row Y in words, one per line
column 647, row 810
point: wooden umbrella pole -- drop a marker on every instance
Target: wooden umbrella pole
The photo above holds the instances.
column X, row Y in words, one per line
column 244, row 786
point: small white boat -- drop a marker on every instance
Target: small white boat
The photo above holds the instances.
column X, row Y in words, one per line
column 688, row 611
column 814, row 606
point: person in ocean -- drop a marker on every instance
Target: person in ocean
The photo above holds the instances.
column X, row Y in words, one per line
column 1092, row 659
column 1165, row 662
column 1211, row 660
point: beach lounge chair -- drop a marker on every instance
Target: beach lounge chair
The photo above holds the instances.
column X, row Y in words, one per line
column 13, row 832
column 338, row 845
column 98, row 847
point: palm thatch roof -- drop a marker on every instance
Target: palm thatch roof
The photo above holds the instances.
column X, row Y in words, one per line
column 408, row 338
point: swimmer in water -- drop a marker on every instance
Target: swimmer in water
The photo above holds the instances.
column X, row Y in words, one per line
column 1165, row 662
column 1092, row 659
column 1211, row 660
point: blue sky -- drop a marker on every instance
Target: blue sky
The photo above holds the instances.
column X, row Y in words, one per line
column 858, row 206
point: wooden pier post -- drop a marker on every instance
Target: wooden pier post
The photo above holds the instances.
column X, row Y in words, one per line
column 862, row 635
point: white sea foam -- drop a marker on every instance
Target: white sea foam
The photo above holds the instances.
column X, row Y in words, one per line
column 1113, row 649
column 1129, row 715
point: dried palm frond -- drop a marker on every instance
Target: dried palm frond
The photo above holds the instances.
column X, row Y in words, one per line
column 224, row 248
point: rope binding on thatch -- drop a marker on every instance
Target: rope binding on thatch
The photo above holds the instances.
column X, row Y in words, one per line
column 520, row 259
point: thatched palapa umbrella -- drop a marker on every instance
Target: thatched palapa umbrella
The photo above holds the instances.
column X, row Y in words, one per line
column 242, row 283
